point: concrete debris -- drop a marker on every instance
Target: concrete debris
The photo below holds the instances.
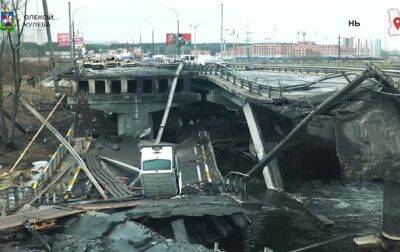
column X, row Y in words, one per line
column 188, row 206
column 153, row 191
column 105, row 232
column 90, row 226
column 39, row 165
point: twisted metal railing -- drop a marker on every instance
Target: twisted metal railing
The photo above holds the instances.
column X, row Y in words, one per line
column 236, row 182
column 54, row 162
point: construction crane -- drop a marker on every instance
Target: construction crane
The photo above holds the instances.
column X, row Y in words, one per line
column 303, row 34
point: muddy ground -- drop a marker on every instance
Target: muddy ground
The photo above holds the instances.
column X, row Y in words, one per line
column 43, row 100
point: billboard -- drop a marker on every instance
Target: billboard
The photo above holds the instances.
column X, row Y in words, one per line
column 78, row 39
column 62, row 39
column 184, row 39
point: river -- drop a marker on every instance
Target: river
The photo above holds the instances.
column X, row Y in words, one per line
column 355, row 207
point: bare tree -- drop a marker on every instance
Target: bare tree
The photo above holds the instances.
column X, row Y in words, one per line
column 15, row 41
column 3, row 127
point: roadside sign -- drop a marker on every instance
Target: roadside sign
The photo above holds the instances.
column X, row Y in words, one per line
column 63, row 39
column 184, row 39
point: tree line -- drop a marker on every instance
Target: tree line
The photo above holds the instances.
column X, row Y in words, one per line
column 10, row 53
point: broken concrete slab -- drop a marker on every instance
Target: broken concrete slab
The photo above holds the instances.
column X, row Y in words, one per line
column 92, row 225
column 188, row 206
column 96, row 231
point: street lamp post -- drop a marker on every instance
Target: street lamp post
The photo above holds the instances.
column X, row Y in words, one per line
column 70, row 33
column 73, row 40
column 178, row 50
column 195, row 25
column 232, row 33
column 152, row 37
column 222, row 30
column 73, row 33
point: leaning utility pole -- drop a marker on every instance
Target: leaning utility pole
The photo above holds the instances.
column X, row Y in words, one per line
column 73, row 40
column 71, row 50
column 152, row 37
column 222, row 30
column 169, row 103
column 49, row 41
column 152, row 41
column 178, row 47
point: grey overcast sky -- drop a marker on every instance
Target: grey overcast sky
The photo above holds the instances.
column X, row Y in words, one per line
column 267, row 20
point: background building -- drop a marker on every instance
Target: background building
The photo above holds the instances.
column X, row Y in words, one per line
column 289, row 50
column 377, row 48
column 350, row 48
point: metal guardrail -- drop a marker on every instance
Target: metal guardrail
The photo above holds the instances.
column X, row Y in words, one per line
column 237, row 79
column 13, row 198
column 307, row 68
column 230, row 75
column 236, row 182
column 252, row 85
column 54, row 162
column 383, row 64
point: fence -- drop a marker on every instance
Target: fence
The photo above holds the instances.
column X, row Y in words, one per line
column 13, row 198
column 54, row 162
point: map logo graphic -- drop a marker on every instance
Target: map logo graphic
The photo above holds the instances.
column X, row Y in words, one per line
column 394, row 21
column 8, row 21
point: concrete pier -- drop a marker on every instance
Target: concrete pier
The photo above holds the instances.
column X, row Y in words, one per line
column 132, row 94
column 391, row 204
column 271, row 172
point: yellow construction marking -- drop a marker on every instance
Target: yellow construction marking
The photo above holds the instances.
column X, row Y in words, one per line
column 205, row 164
column 72, row 183
column 197, row 164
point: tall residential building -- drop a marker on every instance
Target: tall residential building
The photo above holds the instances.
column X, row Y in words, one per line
column 348, row 42
column 376, row 49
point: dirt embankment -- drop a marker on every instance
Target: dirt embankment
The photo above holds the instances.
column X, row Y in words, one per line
column 43, row 100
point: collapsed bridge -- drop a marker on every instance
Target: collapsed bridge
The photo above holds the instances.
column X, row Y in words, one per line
column 290, row 120
column 362, row 126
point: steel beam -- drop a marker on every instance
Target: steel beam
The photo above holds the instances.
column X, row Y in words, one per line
column 318, row 110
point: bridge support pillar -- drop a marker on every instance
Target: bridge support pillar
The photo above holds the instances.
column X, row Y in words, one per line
column 271, row 172
column 134, row 123
column 179, row 229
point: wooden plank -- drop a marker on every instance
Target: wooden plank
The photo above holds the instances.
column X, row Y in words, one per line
column 121, row 186
column 107, row 205
column 42, row 214
column 93, row 170
column 107, row 178
column 108, row 183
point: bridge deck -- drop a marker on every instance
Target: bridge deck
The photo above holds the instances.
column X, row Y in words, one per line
column 294, row 87
column 196, row 161
column 195, row 158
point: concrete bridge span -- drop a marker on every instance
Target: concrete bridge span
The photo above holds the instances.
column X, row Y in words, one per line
column 363, row 129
